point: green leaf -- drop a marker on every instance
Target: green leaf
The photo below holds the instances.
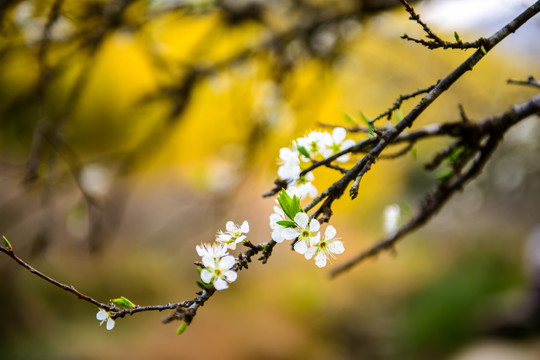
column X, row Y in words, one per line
column 413, row 152
column 445, row 175
column 455, row 154
column 302, row 150
column 398, row 115
column 456, row 36
column 202, row 285
column 181, row 328
column 483, row 49
column 349, row 118
column 7, row 243
column 370, row 125
column 286, row 223
column 290, row 206
column 122, row 301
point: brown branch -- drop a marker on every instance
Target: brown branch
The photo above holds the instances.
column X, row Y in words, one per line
column 531, row 81
column 494, row 128
column 436, row 41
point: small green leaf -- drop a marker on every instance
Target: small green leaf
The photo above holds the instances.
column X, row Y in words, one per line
column 445, row 175
column 7, row 243
column 122, row 301
column 302, row 150
column 413, row 152
column 456, row 36
column 370, row 125
column 290, row 206
column 202, row 285
column 181, row 328
column 286, row 223
column 349, row 118
column 483, row 49
column 455, row 154
column 398, row 115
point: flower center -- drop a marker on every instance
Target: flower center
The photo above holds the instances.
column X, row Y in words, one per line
column 305, row 233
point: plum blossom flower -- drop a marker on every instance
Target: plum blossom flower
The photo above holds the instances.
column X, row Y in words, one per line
column 290, row 164
column 306, row 231
column 233, row 235
column 214, row 251
column 303, row 187
column 338, row 143
column 278, row 234
column 103, row 315
column 218, row 271
column 392, row 214
column 315, row 143
column 324, row 248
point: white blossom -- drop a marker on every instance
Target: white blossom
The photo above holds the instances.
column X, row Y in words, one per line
column 290, row 164
column 218, row 272
column 303, row 187
column 233, row 235
column 214, row 251
column 103, row 315
column 306, row 231
column 278, row 234
column 338, row 143
column 392, row 214
column 315, row 143
column 324, row 248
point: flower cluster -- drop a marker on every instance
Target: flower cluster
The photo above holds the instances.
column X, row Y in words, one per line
column 218, row 264
column 315, row 146
column 290, row 222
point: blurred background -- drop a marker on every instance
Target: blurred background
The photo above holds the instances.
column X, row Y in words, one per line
column 133, row 130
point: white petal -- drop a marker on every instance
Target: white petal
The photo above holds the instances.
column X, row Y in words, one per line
column 312, row 191
column 310, row 252
column 277, row 235
column 209, row 261
column 343, row 158
column 231, row 246
column 102, row 315
column 347, row 144
column 224, row 237
column 230, row 275
column 301, row 219
column 229, row 226
column 220, row 284
column 245, row 227
column 336, row 247
column 200, row 250
column 206, row 276
column 279, row 211
column 330, row 232
column 110, row 324
column 274, row 218
column 314, row 225
column 339, row 134
column 314, row 240
column 227, row 262
column 320, row 260
column 289, row 233
column 309, row 176
column 300, row 247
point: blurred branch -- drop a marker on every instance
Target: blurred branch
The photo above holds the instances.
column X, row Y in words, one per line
column 531, row 81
